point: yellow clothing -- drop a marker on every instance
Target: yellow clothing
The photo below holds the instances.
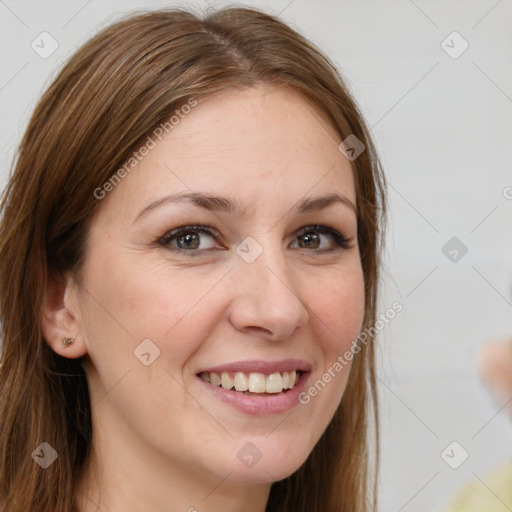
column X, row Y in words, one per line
column 493, row 495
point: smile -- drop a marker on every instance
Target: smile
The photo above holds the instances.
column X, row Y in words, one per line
column 258, row 393
column 254, row 382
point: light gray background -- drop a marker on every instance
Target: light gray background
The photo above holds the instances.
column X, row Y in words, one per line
column 443, row 128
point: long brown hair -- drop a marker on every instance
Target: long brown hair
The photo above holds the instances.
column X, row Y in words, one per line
column 103, row 104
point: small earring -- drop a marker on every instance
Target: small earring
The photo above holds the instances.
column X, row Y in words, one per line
column 67, row 341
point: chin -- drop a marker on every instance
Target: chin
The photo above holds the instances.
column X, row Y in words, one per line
column 261, row 460
column 263, row 473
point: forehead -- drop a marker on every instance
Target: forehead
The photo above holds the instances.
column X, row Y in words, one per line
column 259, row 144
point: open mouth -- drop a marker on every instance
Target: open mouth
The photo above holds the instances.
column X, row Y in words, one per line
column 254, row 383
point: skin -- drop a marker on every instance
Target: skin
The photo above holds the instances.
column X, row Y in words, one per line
column 160, row 441
column 494, row 365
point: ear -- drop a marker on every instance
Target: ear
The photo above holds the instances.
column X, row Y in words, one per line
column 60, row 319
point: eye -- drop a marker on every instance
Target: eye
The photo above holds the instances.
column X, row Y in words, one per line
column 313, row 237
column 194, row 239
column 189, row 238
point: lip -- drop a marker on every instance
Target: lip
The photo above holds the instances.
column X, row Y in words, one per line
column 259, row 405
column 259, row 366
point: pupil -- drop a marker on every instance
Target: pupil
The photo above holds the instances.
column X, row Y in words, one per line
column 311, row 239
column 189, row 241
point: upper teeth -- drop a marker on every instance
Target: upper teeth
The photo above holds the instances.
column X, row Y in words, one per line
column 253, row 382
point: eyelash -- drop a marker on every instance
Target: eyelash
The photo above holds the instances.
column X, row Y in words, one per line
column 340, row 241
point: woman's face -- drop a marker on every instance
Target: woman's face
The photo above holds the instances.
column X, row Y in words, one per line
column 262, row 287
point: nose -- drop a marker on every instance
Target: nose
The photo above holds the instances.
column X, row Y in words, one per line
column 267, row 301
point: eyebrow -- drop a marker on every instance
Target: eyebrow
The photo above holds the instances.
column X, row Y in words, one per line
column 232, row 206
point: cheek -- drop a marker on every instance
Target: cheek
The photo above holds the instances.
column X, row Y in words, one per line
column 337, row 308
column 177, row 308
column 173, row 308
